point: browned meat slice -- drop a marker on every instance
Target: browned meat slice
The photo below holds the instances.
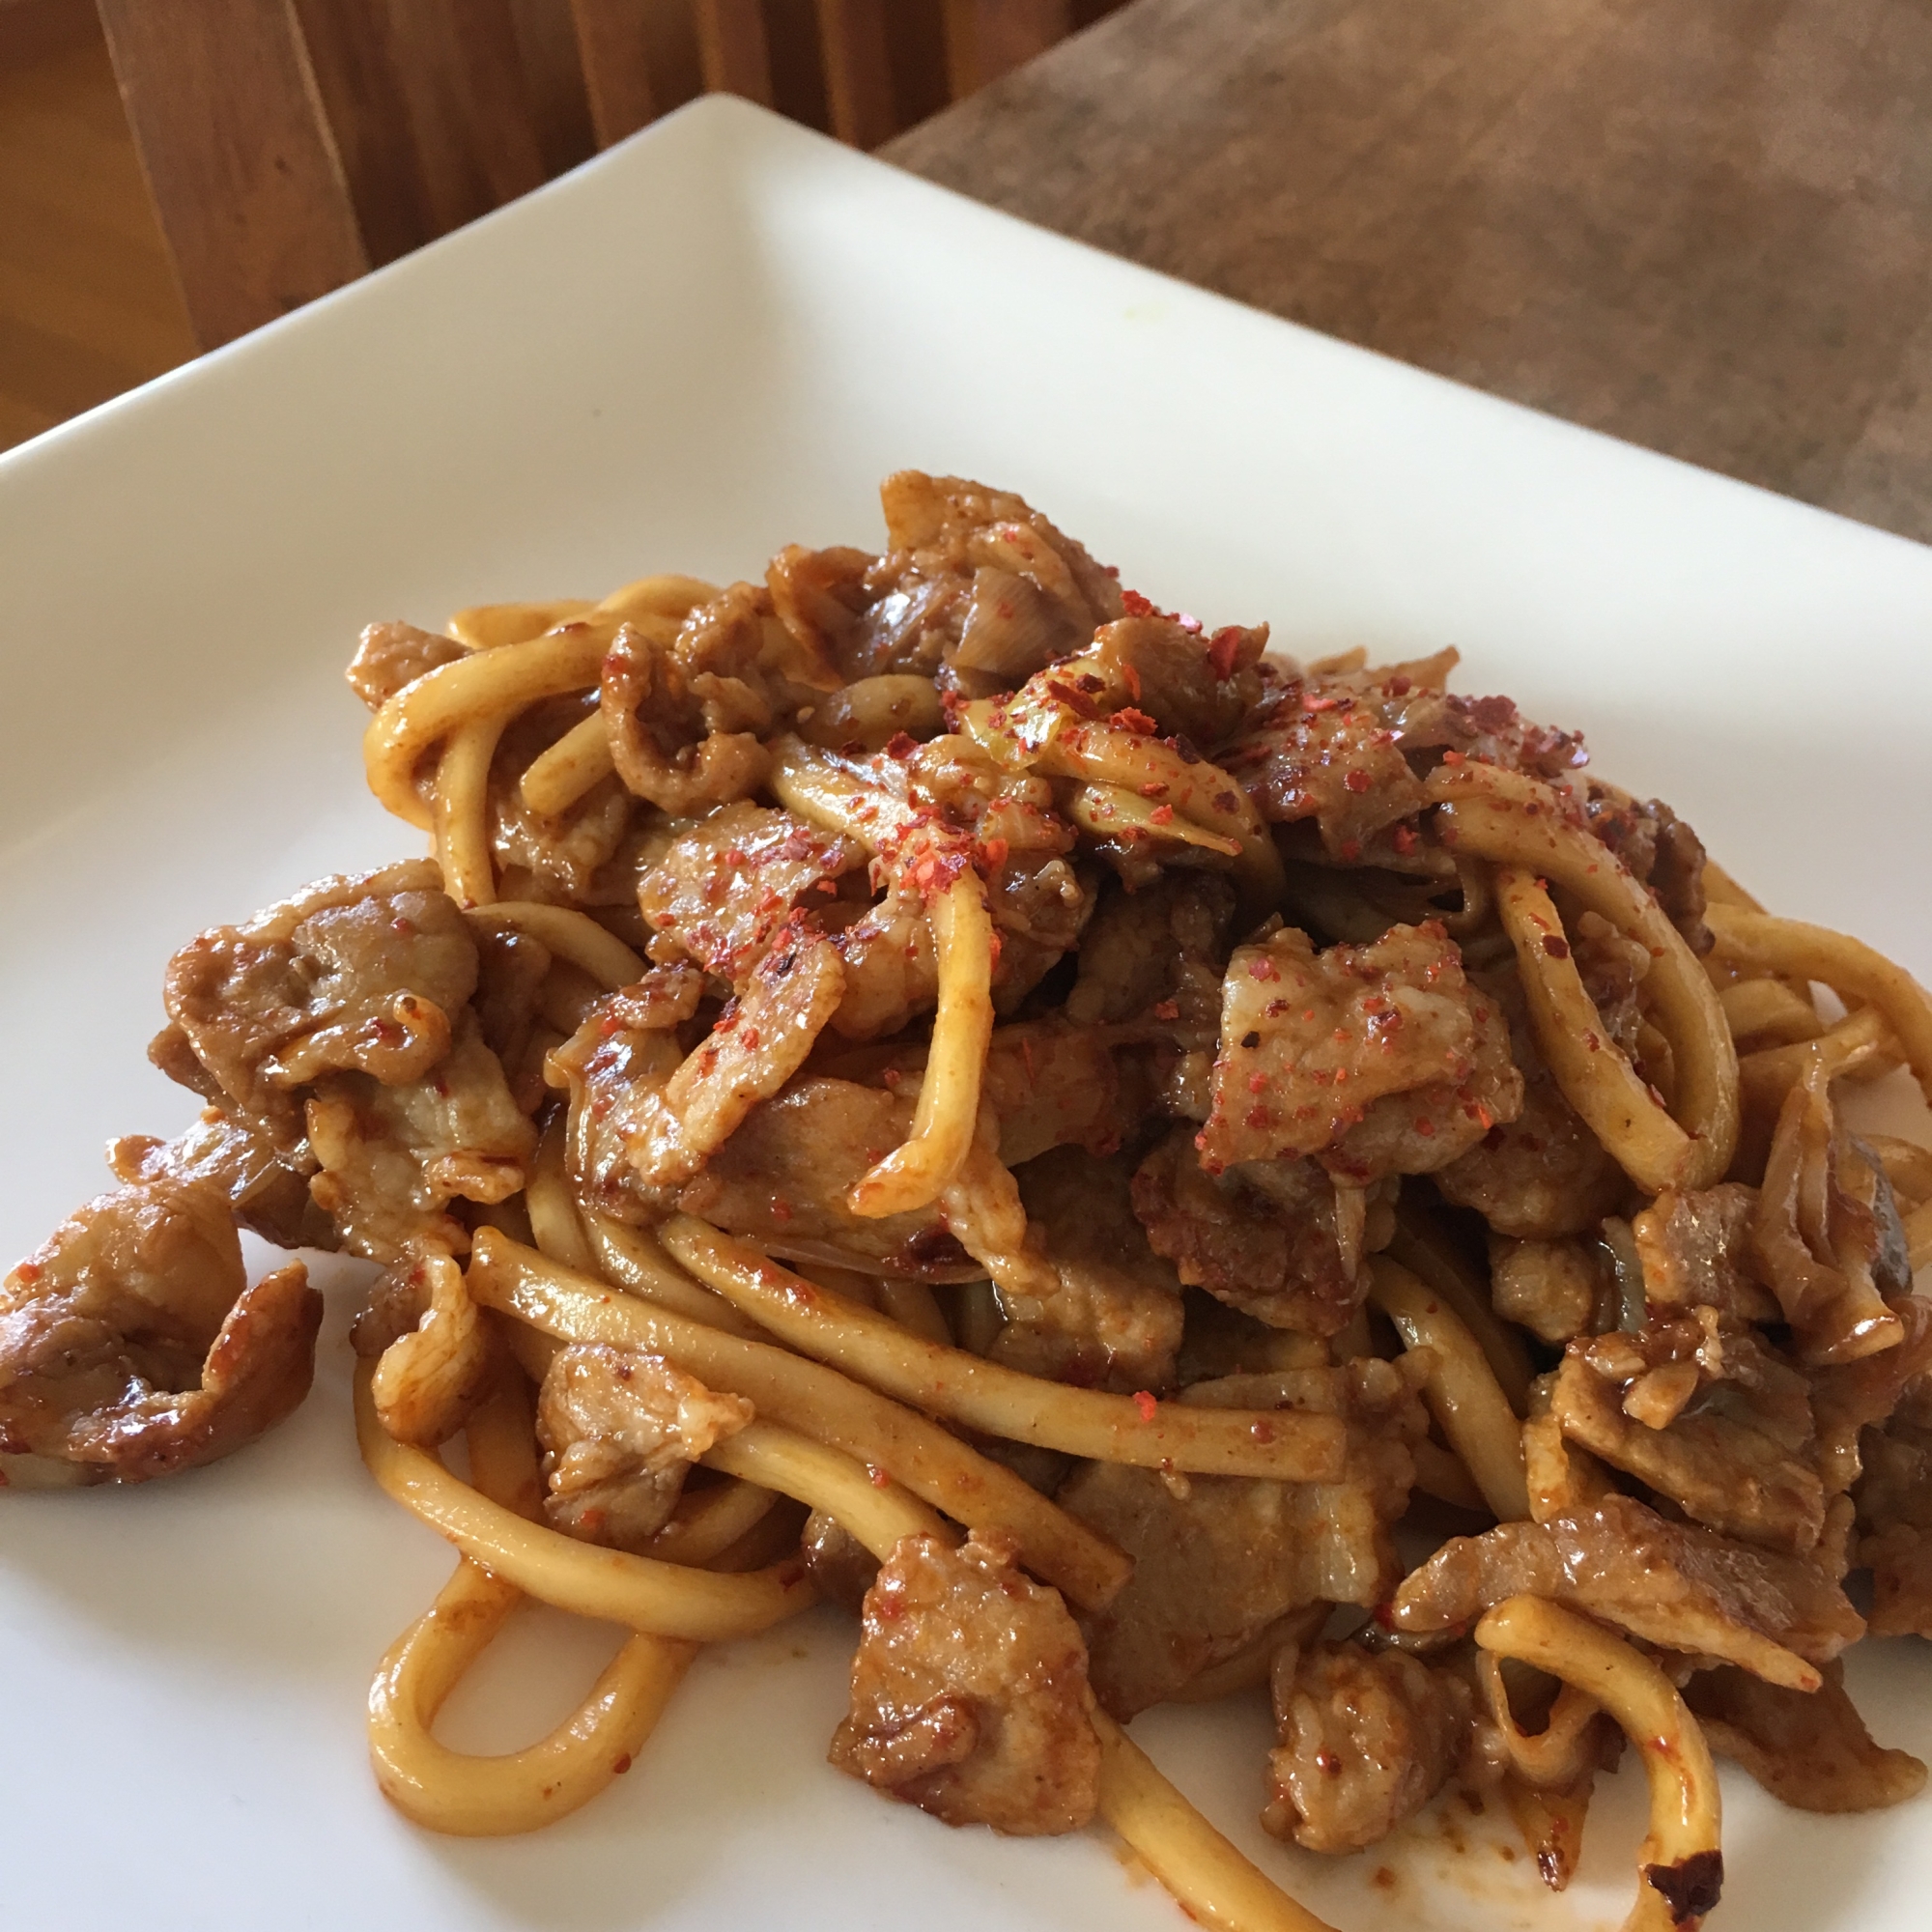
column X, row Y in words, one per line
column 1695, row 1249
column 1734, row 1468
column 1166, row 943
column 267, row 1190
column 969, row 1693
column 1894, row 1387
column 1366, row 1742
column 1217, row 1558
column 782, row 1178
column 1543, row 1175
column 1112, row 1317
column 1812, row 1751
column 366, row 973
column 436, row 1356
column 613, row 1067
column 619, row 1429
column 1323, row 751
column 686, row 715
column 1192, row 685
column 394, row 1156
column 1378, row 1059
column 578, row 859
column 1054, row 1085
column 1279, row 1239
column 1661, row 849
column 725, row 890
column 759, row 1041
column 1550, row 1288
column 389, row 656
column 1673, row 1584
column 975, row 586
column 131, row 1344
column 1894, row 1494
column 840, row 1565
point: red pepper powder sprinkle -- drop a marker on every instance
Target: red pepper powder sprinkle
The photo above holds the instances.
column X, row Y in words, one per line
column 1143, row 1401
column 1557, row 945
column 1136, row 722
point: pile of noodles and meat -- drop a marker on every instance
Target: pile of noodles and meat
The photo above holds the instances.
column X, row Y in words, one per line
column 1251, row 1061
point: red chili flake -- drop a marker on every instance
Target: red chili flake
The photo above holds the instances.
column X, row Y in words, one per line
column 1426, row 1128
column 1557, row 945
column 1026, row 1056
column 29, row 1272
column 882, row 1479
column 780, row 1208
column 406, row 926
column 1405, row 840
column 1136, row 722
column 1135, row 605
column 1262, row 967
column 1358, row 781
column 1258, row 1118
column 748, row 1037
column 994, row 851
column 893, row 1078
column 900, row 746
column 735, row 856
column 1258, row 1083
column 1262, row 1429
column 1143, row 1401
column 1350, row 850
column 1454, row 758
column 1311, row 701
column 622, row 1765
column 826, row 886
column 1131, row 678
column 1161, row 814
column 1397, row 686
column 1167, row 1010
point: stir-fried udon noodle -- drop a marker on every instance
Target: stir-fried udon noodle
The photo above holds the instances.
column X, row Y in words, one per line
column 931, row 1083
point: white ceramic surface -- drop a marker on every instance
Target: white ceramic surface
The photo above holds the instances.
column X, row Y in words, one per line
column 710, row 342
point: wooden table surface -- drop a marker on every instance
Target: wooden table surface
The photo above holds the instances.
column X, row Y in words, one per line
column 1703, row 225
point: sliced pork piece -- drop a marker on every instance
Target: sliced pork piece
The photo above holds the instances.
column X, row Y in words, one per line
column 131, row 1345
column 268, row 1190
column 686, row 718
column 969, row 1693
column 1280, row 1241
column 725, row 890
column 1113, row 1319
column 1376, row 1059
column 366, row 973
column 1734, row 1469
column 783, row 1179
column 975, row 586
column 1661, row 849
column 1675, row 1586
column 1366, row 1742
column 393, row 1157
column 1164, row 946
column 1543, row 1175
column 1697, row 1250
column 389, row 656
column 1550, row 1288
column 759, row 1041
column 619, row 1429
column 1811, row 1751
column 1218, row 1558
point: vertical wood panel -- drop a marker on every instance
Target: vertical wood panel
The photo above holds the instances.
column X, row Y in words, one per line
column 248, row 182
column 614, row 39
column 547, row 46
column 988, row 38
column 857, row 70
column 732, row 45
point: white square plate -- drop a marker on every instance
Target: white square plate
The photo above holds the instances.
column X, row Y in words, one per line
column 710, row 342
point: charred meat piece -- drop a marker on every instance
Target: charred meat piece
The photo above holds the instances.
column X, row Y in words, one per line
column 969, row 1693
column 131, row 1344
column 1661, row 849
column 619, row 1429
column 1376, row 1059
column 1366, row 1741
